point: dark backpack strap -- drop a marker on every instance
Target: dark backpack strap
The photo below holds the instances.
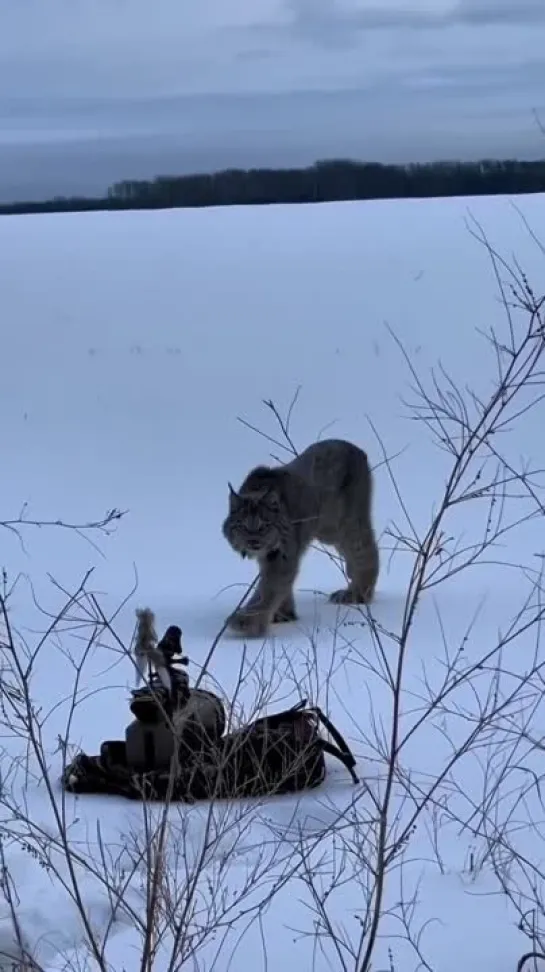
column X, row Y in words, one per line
column 341, row 750
column 345, row 758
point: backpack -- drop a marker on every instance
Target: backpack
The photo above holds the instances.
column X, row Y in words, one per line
column 276, row 754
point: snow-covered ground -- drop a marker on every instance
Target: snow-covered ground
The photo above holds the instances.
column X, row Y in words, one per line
column 131, row 345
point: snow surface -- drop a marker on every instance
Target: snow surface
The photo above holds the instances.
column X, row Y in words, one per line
column 131, row 345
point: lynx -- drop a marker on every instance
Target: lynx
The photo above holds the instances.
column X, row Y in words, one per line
column 324, row 495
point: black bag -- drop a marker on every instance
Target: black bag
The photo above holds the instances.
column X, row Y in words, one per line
column 281, row 753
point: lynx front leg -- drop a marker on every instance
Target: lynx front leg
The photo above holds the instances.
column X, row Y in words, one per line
column 286, row 611
column 361, row 554
column 274, row 595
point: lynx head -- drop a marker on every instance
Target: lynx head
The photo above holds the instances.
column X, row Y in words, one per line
column 256, row 523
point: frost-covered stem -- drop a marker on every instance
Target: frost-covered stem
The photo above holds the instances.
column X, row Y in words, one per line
column 17, row 525
column 9, row 893
column 466, row 427
column 32, row 728
column 524, row 359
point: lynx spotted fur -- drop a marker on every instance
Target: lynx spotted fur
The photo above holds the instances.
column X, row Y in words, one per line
column 323, row 495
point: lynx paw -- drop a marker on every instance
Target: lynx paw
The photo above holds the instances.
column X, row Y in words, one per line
column 283, row 616
column 251, row 624
column 350, row 596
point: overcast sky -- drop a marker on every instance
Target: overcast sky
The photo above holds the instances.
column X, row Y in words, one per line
column 95, row 90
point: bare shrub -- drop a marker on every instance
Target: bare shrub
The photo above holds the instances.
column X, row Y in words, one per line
column 431, row 721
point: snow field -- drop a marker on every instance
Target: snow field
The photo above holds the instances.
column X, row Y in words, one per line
column 133, row 343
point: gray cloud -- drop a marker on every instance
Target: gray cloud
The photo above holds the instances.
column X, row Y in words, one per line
column 287, row 79
column 128, row 47
column 499, row 12
column 333, row 23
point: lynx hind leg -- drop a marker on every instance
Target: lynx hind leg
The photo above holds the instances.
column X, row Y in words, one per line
column 361, row 556
column 286, row 610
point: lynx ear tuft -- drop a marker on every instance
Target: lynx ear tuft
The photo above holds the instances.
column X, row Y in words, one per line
column 234, row 499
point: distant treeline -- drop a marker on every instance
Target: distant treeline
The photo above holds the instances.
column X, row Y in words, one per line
column 327, row 181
